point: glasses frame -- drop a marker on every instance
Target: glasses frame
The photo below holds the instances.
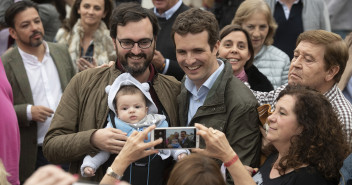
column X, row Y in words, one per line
column 138, row 43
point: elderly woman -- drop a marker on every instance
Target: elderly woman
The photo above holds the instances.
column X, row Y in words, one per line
column 236, row 47
column 86, row 34
column 307, row 138
column 255, row 17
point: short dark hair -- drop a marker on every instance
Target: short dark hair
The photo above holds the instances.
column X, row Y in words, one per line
column 16, row 8
column 131, row 12
column 128, row 90
column 196, row 21
column 235, row 27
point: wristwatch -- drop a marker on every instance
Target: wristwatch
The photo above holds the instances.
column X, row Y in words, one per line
column 111, row 173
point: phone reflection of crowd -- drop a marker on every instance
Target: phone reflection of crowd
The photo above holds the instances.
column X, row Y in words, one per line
column 184, row 140
column 59, row 102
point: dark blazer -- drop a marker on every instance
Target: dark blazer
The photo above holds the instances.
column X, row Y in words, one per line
column 165, row 44
column 17, row 76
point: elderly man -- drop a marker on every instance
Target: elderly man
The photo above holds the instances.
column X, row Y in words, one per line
column 319, row 60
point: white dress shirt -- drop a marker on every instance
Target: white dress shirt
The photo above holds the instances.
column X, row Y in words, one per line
column 45, row 85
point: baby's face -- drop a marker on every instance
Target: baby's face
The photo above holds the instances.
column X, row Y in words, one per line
column 131, row 108
column 174, row 141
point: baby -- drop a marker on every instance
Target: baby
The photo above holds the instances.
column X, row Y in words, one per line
column 135, row 110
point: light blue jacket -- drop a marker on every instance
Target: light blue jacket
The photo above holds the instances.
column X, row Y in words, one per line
column 274, row 64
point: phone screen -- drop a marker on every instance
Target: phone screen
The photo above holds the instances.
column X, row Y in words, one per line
column 88, row 58
column 176, row 137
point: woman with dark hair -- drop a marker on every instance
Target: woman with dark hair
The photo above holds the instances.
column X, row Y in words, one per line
column 306, row 135
column 236, row 47
column 86, row 34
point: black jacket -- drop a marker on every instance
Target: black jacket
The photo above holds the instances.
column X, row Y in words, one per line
column 257, row 80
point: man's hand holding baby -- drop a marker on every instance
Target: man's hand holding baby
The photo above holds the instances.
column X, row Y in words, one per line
column 109, row 139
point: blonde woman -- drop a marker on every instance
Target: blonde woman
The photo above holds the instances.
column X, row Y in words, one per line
column 255, row 17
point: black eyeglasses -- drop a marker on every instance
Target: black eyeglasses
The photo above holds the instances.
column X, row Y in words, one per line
column 128, row 44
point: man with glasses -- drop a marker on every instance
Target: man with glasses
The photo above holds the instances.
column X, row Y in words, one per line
column 77, row 126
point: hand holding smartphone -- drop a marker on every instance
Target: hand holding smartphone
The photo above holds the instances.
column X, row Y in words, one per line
column 88, row 58
column 176, row 137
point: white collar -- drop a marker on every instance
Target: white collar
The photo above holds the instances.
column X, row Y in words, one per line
column 168, row 14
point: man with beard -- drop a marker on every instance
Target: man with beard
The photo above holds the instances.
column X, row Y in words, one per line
column 78, row 124
column 38, row 72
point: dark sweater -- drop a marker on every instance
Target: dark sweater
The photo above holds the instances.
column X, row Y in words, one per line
column 288, row 30
column 166, row 46
column 257, row 80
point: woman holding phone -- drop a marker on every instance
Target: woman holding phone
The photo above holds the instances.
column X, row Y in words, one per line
column 86, row 34
column 306, row 136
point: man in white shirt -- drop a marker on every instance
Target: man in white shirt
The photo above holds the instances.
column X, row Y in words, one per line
column 38, row 72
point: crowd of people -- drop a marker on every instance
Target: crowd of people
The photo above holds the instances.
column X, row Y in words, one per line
column 85, row 96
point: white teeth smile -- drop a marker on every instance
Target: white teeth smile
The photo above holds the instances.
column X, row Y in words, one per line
column 193, row 68
column 233, row 60
column 135, row 58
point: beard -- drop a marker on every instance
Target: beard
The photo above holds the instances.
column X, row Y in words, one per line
column 135, row 69
column 36, row 42
column 33, row 42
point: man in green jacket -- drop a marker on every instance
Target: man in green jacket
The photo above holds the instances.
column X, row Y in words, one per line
column 210, row 94
column 78, row 125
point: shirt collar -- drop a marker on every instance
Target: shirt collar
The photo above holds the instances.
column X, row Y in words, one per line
column 191, row 87
column 284, row 4
column 331, row 94
column 31, row 59
column 168, row 14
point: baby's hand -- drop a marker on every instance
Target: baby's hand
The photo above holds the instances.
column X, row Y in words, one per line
column 182, row 155
column 89, row 172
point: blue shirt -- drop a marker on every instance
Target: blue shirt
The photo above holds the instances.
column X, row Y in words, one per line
column 348, row 91
column 168, row 14
column 198, row 96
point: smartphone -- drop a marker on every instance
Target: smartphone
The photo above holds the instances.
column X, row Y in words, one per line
column 176, row 137
column 85, row 183
column 88, row 58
